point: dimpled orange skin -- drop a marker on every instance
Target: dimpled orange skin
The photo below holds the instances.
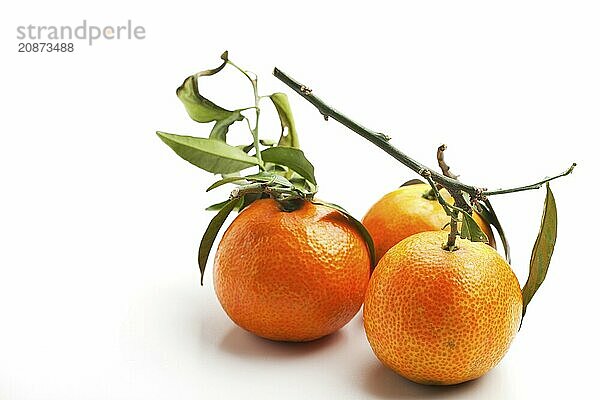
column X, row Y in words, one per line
column 404, row 212
column 438, row 317
column 291, row 276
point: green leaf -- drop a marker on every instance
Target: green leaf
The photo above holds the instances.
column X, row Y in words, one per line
column 264, row 177
column 470, row 230
column 412, row 182
column 275, row 167
column 282, row 105
column 211, row 233
column 217, row 206
column 198, row 107
column 224, row 181
column 302, row 184
column 361, row 229
column 292, row 158
column 209, row 154
column 542, row 250
column 219, row 131
column 489, row 215
column 246, row 148
column 268, row 177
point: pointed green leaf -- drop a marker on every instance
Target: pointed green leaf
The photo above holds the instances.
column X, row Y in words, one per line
column 302, row 184
column 198, row 107
column 489, row 215
column 412, row 182
column 282, row 105
column 470, row 230
column 246, row 148
column 542, row 250
column 209, row 154
column 268, row 177
column 211, row 233
column 224, row 181
column 219, row 131
column 217, row 206
column 361, row 229
column 292, row 158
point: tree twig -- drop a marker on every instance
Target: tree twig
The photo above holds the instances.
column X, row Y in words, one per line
column 532, row 186
column 442, row 163
column 382, row 141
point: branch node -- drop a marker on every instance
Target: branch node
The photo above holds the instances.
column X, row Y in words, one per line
column 424, row 172
column 306, row 90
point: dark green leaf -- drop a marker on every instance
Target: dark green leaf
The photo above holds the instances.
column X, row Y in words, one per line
column 489, row 215
column 217, row 206
column 542, row 250
column 282, row 105
column 249, row 199
column 361, row 229
column 412, row 182
column 211, row 233
column 219, row 131
column 470, row 230
column 292, row 158
column 246, row 148
column 209, row 154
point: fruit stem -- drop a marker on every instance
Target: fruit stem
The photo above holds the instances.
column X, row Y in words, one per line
column 451, row 211
column 382, row 141
column 459, row 200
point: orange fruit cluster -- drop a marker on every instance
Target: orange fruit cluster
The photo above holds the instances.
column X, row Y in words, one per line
column 432, row 315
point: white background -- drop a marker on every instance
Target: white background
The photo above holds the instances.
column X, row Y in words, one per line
column 100, row 221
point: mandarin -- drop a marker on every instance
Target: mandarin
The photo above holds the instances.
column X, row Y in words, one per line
column 441, row 317
column 404, row 212
column 291, row 276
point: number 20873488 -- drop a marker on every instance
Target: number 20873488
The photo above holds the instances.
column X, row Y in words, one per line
column 28, row 47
